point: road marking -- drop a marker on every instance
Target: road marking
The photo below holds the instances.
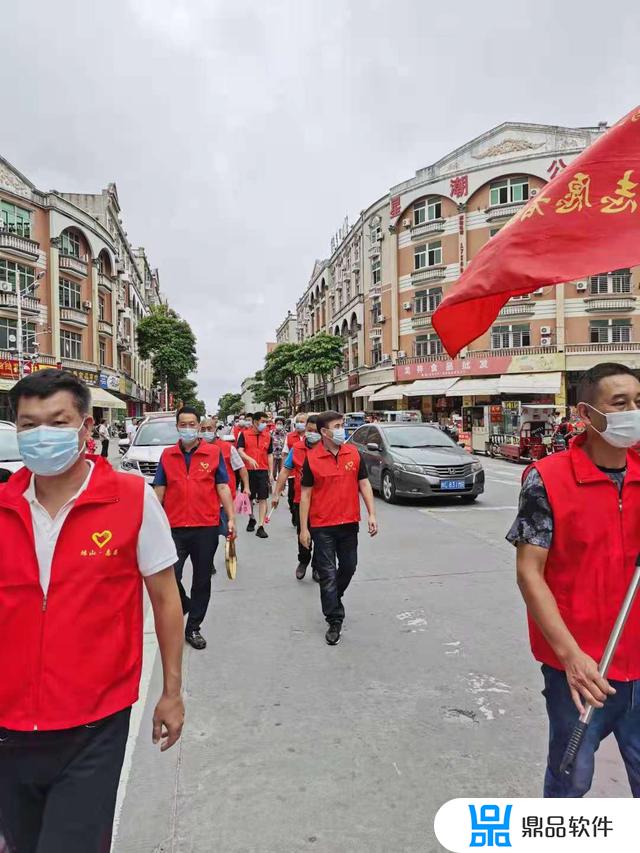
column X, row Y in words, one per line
column 504, row 482
column 150, row 652
column 468, row 509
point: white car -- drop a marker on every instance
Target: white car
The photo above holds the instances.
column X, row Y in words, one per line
column 151, row 438
column 10, row 458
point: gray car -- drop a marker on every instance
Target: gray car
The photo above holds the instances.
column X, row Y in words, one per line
column 417, row 460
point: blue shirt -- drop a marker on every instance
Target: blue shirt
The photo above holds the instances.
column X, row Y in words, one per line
column 221, row 475
column 288, row 462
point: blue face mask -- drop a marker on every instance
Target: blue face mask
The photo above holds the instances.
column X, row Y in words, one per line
column 48, row 451
column 208, row 436
column 312, row 438
column 299, row 427
column 188, row 434
column 262, row 427
column 338, row 436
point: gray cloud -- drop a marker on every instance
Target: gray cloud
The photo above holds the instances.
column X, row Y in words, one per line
column 240, row 134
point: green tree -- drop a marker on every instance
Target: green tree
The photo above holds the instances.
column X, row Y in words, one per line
column 267, row 390
column 229, row 404
column 320, row 355
column 279, row 375
column 185, row 394
column 168, row 341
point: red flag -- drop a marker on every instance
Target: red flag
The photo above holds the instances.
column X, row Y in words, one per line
column 583, row 222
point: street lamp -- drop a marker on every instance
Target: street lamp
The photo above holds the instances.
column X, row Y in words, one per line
column 19, row 295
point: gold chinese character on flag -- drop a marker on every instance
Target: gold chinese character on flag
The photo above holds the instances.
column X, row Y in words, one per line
column 577, row 195
column 625, row 196
column 534, row 206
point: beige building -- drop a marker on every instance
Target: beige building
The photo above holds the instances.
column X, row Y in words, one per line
column 287, row 331
column 83, row 290
column 409, row 248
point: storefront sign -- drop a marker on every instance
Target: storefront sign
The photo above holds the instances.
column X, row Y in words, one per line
column 462, row 239
column 480, row 366
column 354, row 381
column 109, row 382
column 395, row 207
column 9, row 368
column 88, row 376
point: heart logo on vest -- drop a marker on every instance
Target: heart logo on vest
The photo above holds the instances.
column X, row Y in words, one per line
column 101, row 539
column 204, row 466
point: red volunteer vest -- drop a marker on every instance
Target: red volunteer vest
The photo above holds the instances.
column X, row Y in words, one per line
column 256, row 445
column 191, row 498
column 336, row 494
column 75, row 656
column 291, row 441
column 300, row 451
column 596, row 541
column 225, row 451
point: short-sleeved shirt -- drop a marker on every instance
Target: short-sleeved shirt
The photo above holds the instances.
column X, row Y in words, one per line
column 307, row 473
column 241, row 443
column 221, row 474
column 534, row 523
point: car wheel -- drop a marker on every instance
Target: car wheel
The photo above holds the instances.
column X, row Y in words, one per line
column 388, row 488
column 469, row 499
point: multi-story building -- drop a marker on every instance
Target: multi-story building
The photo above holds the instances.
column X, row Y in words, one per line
column 287, row 331
column 82, row 289
column 413, row 245
column 249, row 404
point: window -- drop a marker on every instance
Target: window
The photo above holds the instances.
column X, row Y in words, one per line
column 102, row 346
column 70, row 345
column 434, row 209
column 376, row 233
column 494, row 231
column 426, row 301
column 510, row 337
column 618, row 281
column 376, row 271
column 427, row 211
column 70, row 294
column 70, row 243
column 15, row 219
column 420, row 213
column 428, row 345
column 101, row 308
column 347, row 292
column 11, row 272
column 376, row 351
column 610, row 331
column 427, row 255
column 509, row 191
column 8, row 335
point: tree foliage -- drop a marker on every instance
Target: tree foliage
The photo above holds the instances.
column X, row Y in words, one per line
column 320, row 355
column 229, row 404
column 168, row 341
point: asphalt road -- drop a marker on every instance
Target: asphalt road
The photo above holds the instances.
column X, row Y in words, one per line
column 291, row 745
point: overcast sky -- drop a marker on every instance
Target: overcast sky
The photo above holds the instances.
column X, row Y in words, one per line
column 241, row 133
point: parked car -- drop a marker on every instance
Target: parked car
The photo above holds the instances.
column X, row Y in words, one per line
column 9, row 454
column 154, row 434
column 417, row 460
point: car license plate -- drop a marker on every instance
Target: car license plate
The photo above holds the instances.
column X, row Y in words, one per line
column 452, row 485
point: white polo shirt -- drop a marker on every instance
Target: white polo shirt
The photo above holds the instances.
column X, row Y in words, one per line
column 156, row 550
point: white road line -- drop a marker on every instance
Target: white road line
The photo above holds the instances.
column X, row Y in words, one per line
column 504, row 482
column 468, row 509
column 150, row 651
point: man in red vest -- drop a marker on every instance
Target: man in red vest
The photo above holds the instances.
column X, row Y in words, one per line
column 293, row 438
column 255, row 446
column 578, row 538
column 192, row 482
column 292, row 471
column 233, row 463
column 78, row 541
column 333, row 478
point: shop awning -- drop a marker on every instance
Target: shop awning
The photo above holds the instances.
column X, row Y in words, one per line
column 428, row 387
column 530, row 383
column 368, row 390
column 7, row 384
column 105, row 400
column 393, row 392
column 469, row 387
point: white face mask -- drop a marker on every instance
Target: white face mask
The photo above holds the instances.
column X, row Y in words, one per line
column 623, row 428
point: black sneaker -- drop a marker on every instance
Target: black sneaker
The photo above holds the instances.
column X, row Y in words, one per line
column 333, row 634
column 315, row 576
column 301, row 571
column 261, row 533
column 252, row 525
column 195, row 639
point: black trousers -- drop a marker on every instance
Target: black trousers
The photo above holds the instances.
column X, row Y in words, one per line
column 304, row 553
column 335, row 556
column 58, row 789
column 105, row 448
column 199, row 543
column 290, row 495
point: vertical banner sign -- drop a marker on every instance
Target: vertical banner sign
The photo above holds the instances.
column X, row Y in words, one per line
column 395, row 207
column 462, row 239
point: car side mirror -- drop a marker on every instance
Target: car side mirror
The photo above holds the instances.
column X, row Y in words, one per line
column 461, row 444
column 373, row 447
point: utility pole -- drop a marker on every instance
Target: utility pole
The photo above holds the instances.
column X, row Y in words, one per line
column 19, row 341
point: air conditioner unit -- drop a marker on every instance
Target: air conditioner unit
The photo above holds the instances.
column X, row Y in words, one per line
column 533, row 192
column 381, row 318
column 539, row 291
column 545, row 342
column 545, row 330
column 406, row 223
column 402, row 353
column 5, row 287
column 581, row 286
column 407, row 306
column 385, row 357
column 87, row 304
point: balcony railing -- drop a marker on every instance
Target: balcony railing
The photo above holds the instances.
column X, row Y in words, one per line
column 620, row 346
column 436, row 226
column 74, row 316
column 503, row 211
column 429, row 274
column 30, row 304
column 376, row 333
column 19, row 245
column 375, row 250
column 610, row 303
column 74, row 265
column 105, row 327
column 104, row 282
column 78, row 364
column 422, row 320
column 516, row 308
column 486, row 354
